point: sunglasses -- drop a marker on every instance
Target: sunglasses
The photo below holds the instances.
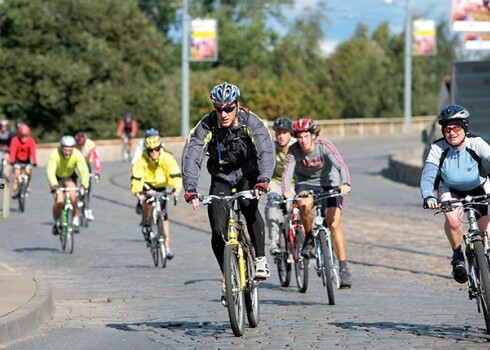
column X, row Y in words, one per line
column 455, row 128
column 225, row 109
column 157, row 149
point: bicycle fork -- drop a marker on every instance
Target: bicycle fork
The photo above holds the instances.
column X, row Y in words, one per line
column 233, row 240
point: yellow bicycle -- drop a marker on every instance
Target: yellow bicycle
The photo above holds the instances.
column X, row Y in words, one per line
column 242, row 292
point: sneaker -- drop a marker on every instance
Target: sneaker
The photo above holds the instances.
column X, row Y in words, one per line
column 15, row 195
column 76, row 224
column 275, row 249
column 56, row 229
column 170, row 255
column 139, row 208
column 223, row 297
column 145, row 230
column 89, row 215
column 262, row 269
column 345, row 278
column 459, row 271
column 308, row 246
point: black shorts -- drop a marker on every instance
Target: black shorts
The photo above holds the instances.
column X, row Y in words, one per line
column 482, row 209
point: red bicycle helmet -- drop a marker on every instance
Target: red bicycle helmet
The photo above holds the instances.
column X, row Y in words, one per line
column 80, row 137
column 24, row 130
column 304, row 124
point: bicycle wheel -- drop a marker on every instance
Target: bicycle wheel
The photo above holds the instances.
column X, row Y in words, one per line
column 81, row 213
column 22, row 196
column 251, row 294
column 162, row 251
column 483, row 276
column 326, row 269
column 234, row 291
column 281, row 260
column 154, row 244
column 301, row 265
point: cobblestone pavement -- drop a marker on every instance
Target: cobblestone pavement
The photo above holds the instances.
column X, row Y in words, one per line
column 108, row 294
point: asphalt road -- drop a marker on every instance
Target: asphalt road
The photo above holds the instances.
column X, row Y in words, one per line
column 108, row 295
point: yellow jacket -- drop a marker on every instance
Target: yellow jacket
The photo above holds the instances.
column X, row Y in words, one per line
column 60, row 167
column 160, row 173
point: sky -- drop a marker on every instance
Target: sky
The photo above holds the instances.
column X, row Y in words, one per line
column 343, row 16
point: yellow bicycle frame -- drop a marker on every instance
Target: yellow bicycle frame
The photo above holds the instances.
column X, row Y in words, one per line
column 233, row 240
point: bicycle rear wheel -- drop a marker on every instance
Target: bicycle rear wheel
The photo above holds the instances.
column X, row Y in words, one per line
column 301, row 265
column 281, row 260
column 326, row 269
column 483, row 274
column 234, row 291
column 251, row 294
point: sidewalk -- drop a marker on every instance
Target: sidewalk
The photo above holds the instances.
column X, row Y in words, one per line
column 25, row 303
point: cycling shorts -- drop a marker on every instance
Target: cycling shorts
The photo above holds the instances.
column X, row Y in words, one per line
column 20, row 164
column 331, row 202
column 163, row 203
column 482, row 210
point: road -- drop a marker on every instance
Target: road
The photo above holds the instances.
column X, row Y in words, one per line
column 109, row 296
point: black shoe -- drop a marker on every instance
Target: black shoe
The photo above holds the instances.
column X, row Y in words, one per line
column 459, row 271
column 170, row 255
column 345, row 278
column 16, row 195
column 308, row 246
column 145, row 231
column 55, row 230
column 139, row 208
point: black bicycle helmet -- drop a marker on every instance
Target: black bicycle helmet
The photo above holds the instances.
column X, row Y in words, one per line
column 452, row 113
column 282, row 123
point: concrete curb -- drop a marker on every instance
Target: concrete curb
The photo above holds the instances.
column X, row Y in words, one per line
column 27, row 318
column 406, row 166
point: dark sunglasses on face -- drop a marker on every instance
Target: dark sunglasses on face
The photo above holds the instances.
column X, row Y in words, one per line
column 225, row 109
column 154, row 149
column 455, row 128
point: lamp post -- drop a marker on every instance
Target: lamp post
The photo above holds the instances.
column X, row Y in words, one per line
column 185, row 69
column 407, row 110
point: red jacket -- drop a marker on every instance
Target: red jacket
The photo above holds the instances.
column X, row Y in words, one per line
column 23, row 151
column 134, row 128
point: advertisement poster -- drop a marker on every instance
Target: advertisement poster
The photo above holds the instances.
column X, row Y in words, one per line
column 204, row 45
column 424, row 38
column 470, row 15
column 476, row 41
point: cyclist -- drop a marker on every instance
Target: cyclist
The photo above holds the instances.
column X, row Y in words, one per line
column 22, row 155
column 241, row 156
column 60, row 171
column 126, row 130
column 92, row 157
column 282, row 128
column 317, row 165
column 453, row 169
column 155, row 170
column 5, row 139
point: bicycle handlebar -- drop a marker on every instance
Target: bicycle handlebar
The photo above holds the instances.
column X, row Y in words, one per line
column 206, row 199
column 447, row 205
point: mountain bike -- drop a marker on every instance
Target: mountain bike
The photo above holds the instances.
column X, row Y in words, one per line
column 126, row 151
column 477, row 251
column 242, row 292
column 67, row 230
column 158, row 236
column 291, row 239
column 327, row 266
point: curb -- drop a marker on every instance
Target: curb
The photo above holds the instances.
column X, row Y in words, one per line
column 406, row 166
column 30, row 316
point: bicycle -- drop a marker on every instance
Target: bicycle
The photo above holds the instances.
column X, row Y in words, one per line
column 327, row 266
column 291, row 240
column 242, row 292
column 477, row 252
column 67, row 230
column 82, row 200
column 22, row 183
column 158, row 236
column 126, row 151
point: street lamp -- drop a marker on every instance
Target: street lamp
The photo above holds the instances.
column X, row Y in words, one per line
column 185, row 69
column 407, row 109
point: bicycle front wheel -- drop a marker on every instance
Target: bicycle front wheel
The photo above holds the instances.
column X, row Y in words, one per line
column 484, row 281
column 281, row 260
column 251, row 293
column 326, row 268
column 301, row 265
column 162, row 251
column 234, row 291
column 22, row 196
column 66, row 236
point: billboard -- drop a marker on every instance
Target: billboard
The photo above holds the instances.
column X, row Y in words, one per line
column 470, row 15
column 476, row 41
column 204, row 44
column 424, row 38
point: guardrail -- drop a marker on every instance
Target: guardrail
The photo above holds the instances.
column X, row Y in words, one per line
column 5, row 210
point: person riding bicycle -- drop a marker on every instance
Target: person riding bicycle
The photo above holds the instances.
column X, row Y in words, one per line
column 60, row 171
column 127, row 129
column 92, row 157
column 22, row 155
column 141, row 147
column 283, row 132
column 454, row 169
column 5, row 140
column 155, row 170
column 317, row 165
column 241, row 157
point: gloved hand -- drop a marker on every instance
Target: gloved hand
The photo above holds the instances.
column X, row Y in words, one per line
column 189, row 196
column 261, row 188
column 431, row 203
column 54, row 188
column 34, row 165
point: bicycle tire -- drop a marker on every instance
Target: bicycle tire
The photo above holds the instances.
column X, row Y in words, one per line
column 154, row 244
column 301, row 265
column 251, row 293
column 22, row 196
column 83, row 217
column 70, row 237
column 234, row 291
column 162, row 251
column 483, row 276
column 281, row 260
column 326, row 272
